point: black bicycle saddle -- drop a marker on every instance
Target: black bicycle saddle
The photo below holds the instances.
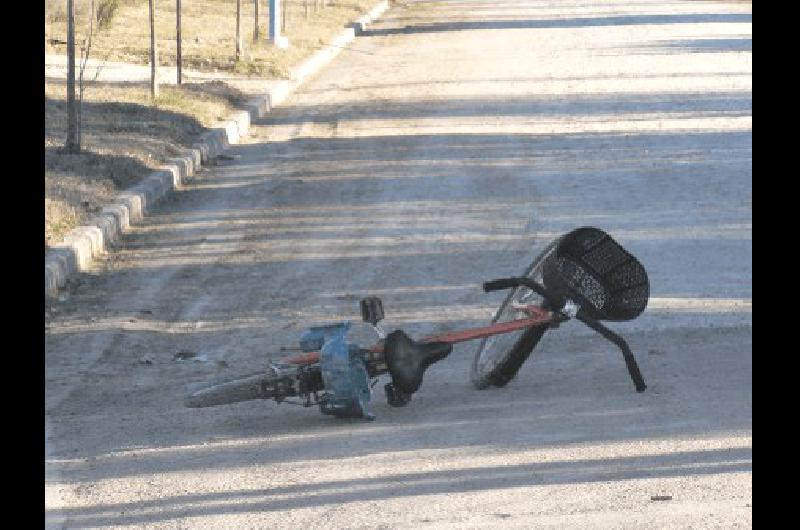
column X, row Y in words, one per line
column 408, row 359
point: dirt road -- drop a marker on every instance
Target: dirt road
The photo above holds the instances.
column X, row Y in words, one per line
column 447, row 146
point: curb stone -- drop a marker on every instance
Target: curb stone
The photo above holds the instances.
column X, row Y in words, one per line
column 83, row 244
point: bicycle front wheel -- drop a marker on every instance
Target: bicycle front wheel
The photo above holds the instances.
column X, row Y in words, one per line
column 499, row 357
column 255, row 386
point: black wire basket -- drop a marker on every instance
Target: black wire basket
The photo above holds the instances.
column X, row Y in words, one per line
column 594, row 271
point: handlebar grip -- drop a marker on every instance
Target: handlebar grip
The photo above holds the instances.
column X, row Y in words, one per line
column 500, row 283
column 506, row 283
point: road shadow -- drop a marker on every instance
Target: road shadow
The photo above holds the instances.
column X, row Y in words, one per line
column 563, row 23
column 543, row 79
column 704, row 45
column 451, row 482
column 697, row 105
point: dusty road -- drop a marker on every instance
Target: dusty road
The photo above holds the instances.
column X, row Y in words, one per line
column 445, row 147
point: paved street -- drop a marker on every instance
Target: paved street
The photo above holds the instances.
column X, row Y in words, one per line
column 445, row 147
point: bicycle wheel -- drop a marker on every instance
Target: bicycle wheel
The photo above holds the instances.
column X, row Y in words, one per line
column 255, row 386
column 499, row 357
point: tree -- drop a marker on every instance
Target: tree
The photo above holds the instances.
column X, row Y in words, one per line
column 153, row 52
column 255, row 29
column 87, row 46
column 238, row 29
column 178, row 38
column 75, row 106
column 72, row 145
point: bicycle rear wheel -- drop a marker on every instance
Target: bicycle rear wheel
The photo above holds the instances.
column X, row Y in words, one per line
column 499, row 357
column 261, row 385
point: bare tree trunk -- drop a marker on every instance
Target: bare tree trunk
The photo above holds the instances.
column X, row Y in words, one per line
column 178, row 38
column 255, row 29
column 238, row 29
column 305, row 5
column 87, row 46
column 153, row 52
column 283, row 15
column 72, row 144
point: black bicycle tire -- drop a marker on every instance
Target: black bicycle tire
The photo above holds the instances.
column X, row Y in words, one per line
column 508, row 362
column 516, row 357
column 235, row 390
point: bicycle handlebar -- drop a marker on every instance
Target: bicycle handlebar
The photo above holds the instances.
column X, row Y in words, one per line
column 627, row 354
column 500, row 283
column 507, row 283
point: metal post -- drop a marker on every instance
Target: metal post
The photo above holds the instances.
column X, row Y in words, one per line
column 275, row 25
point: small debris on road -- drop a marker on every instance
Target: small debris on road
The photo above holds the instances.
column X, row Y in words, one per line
column 661, row 497
column 185, row 355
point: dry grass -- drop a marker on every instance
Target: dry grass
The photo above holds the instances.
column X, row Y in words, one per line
column 208, row 33
column 124, row 136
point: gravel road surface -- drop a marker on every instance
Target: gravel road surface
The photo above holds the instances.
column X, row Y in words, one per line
column 447, row 146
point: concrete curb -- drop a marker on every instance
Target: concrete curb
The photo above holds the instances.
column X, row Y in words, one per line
column 83, row 244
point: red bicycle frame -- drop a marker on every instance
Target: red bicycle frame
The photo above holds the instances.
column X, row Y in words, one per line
column 538, row 317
